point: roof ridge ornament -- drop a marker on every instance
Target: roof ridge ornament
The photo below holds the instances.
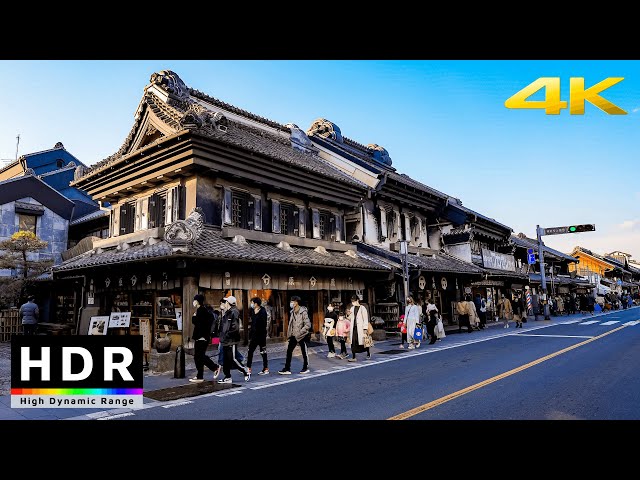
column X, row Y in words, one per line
column 183, row 234
column 321, row 250
column 285, row 246
column 171, row 83
column 326, row 129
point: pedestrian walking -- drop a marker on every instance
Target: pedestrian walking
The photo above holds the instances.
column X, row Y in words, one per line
column 299, row 327
column 359, row 329
column 464, row 315
column 412, row 318
column 29, row 314
column 432, row 322
column 229, row 339
column 202, row 321
column 343, row 326
column 217, row 331
column 402, row 326
column 506, row 310
column 330, row 333
column 481, row 309
column 258, row 335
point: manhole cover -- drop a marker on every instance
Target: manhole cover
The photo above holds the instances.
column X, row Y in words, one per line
column 184, row 391
column 392, row 352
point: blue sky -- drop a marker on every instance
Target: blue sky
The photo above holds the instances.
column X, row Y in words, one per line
column 443, row 122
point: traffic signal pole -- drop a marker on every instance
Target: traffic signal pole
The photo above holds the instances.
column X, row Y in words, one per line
column 543, row 278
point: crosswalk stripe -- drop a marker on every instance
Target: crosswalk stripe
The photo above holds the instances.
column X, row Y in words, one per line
column 612, row 322
column 590, row 322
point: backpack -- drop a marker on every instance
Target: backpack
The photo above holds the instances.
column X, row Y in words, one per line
column 214, row 331
column 483, row 305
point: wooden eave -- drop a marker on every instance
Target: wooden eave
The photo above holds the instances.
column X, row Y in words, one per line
column 229, row 161
column 410, row 196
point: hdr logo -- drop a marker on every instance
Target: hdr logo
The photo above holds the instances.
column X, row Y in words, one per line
column 76, row 371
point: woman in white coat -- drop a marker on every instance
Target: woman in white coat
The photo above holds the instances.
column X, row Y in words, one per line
column 359, row 318
column 412, row 318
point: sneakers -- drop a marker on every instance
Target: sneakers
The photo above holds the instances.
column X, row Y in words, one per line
column 418, row 345
column 247, row 375
column 401, row 346
column 410, row 347
column 216, row 372
column 264, row 371
column 196, row 380
column 343, row 356
column 368, row 357
column 305, row 370
column 353, row 359
column 225, row 380
column 284, row 372
column 331, row 355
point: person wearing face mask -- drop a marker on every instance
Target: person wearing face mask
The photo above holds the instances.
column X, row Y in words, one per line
column 258, row 334
column 299, row 327
column 224, row 306
column 229, row 339
column 202, row 325
column 359, row 325
column 330, row 322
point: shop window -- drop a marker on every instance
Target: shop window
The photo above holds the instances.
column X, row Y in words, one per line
column 27, row 223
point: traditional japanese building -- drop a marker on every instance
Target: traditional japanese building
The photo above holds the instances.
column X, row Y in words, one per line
column 209, row 198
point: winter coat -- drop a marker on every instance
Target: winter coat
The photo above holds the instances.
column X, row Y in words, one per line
column 411, row 318
column 330, row 317
column 202, row 323
column 506, row 311
column 29, row 313
column 474, row 320
column 259, row 326
column 361, row 322
column 299, row 324
column 230, row 334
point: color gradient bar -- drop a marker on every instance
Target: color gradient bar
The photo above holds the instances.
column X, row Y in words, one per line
column 76, row 391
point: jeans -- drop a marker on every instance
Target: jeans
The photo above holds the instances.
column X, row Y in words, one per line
column 201, row 359
column 343, row 346
column 303, row 347
column 29, row 328
column 263, row 351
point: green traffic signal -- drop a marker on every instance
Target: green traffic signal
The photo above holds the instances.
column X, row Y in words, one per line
column 589, row 227
column 572, row 229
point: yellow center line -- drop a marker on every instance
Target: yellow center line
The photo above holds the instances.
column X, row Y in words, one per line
column 464, row 391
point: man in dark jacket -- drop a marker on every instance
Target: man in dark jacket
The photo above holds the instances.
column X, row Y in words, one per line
column 258, row 334
column 229, row 339
column 29, row 314
column 202, row 324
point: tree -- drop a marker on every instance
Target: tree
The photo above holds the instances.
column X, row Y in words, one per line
column 16, row 254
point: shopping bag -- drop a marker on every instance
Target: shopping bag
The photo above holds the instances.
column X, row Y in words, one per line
column 417, row 333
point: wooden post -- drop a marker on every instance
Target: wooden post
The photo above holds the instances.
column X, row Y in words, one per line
column 189, row 290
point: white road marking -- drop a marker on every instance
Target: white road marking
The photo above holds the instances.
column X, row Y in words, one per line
column 232, row 392
column 570, row 321
column 590, row 322
column 612, row 322
column 177, row 404
column 119, row 415
column 631, row 323
column 558, row 336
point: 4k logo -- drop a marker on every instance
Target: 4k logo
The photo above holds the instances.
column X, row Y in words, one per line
column 577, row 96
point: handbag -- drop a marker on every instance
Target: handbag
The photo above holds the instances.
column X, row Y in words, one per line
column 368, row 340
column 369, row 328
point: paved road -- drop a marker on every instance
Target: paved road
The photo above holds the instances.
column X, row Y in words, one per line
column 568, row 368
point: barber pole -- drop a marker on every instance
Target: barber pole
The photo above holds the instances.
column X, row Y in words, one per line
column 529, row 303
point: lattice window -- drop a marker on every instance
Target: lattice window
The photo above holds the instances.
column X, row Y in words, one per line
column 239, row 210
column 284, row 219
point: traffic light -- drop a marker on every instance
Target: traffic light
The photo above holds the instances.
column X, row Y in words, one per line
column 589, row 227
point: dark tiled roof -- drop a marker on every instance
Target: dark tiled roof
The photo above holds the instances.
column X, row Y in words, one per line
column 504, row 273
column 531, row 243
column 90, row 216
column 210, row 244
column 407, row 180
column 457, row 203
column 279, row 147
column 441, row 262
column 535, row 277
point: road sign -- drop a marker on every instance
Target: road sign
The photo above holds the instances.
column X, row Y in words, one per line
column 531, row 259
column 555, row 230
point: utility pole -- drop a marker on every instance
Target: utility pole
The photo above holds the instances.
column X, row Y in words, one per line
column 404, row 246
column 17, row 145
column 543, row 279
